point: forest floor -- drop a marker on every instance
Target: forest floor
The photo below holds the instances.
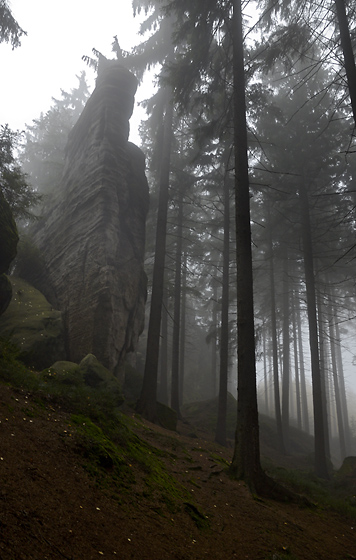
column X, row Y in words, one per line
column 53, row 506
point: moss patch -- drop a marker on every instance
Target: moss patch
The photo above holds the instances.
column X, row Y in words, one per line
column 33, row 326
column 119, row 459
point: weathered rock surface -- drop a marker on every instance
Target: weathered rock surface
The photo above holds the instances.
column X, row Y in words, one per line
column 33, row 326
column 8, row 244
column 92, row 239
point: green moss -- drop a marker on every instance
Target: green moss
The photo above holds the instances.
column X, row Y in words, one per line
column 33, row 326
column 200, row 520
column 113, row 453
column 12, row 370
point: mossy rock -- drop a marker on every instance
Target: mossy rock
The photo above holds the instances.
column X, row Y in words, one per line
column 33, row 326
column 67, row 373
column 348, row 468
column 167, row 417
column 8, row 235
column 5, row 293
column 96, row 376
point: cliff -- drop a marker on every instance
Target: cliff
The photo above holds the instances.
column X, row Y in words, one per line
column 93, row 235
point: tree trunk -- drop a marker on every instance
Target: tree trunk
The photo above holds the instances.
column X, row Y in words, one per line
column 214, row 338
column 347, row 50
column 339, row 415
column 146, row 404
column 265, row 371
column 303, row 385
column 163, row 381
column 176, row 316
column 246, row 459
column 277, row 400
column 220, row 434
column 344, row 406
column 323, row 373
column 183, row 329
column 321, row 466
column 286, row 352
column 296, row 366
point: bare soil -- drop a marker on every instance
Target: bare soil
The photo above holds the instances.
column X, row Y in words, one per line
column 51, row 508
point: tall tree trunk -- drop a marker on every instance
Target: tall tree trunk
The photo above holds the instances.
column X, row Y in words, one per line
column 344, row 406
column 286, row 352
column 339, row 415
column 347, row 50
column 214, row 338
column 296, row 365
column 323, row 373
column 265, row 371
column 146, row 404
column 177, row 306
column 246, row 459
column 303, row 385
column 163, row 381
column 183, row 329
column 277, row 400
column 321, row 466
column 220, row 434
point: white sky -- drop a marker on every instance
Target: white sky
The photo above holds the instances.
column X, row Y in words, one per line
column 58, row 35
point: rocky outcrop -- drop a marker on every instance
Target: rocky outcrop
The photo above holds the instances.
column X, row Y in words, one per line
column 8, row 245
column 92, row 238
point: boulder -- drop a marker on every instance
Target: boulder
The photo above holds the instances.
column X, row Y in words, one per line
column 92, row 238
column 90, row 372
column 31, row 324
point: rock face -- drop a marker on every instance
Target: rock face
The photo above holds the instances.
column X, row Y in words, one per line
column 8, row 244
column 92, row 239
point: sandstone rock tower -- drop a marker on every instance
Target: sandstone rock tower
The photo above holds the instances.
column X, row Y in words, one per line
column 92, row 237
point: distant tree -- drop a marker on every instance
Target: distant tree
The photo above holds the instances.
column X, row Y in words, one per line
column 43, row 147
column 13, row 181
column 10, row 31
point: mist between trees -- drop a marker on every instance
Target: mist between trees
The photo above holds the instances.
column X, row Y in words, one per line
column 249, row 141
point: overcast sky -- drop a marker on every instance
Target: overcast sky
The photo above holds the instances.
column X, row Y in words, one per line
column 58, row 35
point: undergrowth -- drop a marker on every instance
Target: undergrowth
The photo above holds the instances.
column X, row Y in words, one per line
column 119, row 459
column 331, row 494
column 113, row 455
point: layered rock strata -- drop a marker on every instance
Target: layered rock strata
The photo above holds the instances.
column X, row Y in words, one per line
column 93, row 236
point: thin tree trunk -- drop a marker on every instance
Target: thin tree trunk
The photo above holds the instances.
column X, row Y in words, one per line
column 339, row 415
column 286, row 353
column 163, row 384
column 265, row 371
column 323, row 373
column 147, row 405
column 220, row 434
column 277, row 400
column 177, row 305
column 214, row 338
column 321, row 467
column 303, row 385
column 183, row 329
column 344, row 406
column 296, row 366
